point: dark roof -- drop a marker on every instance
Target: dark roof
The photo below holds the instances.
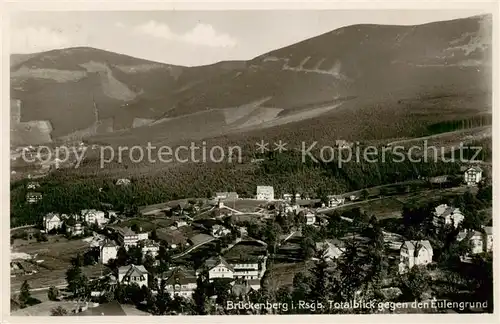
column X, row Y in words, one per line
column 215, row 261
column 246, row 251
column 133, row 270
column 109, row 309
column 179, row 275
column 200, row 238
column 109, row 243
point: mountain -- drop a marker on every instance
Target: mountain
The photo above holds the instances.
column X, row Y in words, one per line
column 356, row 80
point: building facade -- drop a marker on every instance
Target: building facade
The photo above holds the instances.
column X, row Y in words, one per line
column 92, row 216
column 180, row 282
column 445, row 215
column 414, row 253
column 108, row 251
column 265, row 193
column 473, row 175
column 52, row 221
column 133, row 274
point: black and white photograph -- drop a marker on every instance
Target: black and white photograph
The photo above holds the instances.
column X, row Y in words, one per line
column 250, row 162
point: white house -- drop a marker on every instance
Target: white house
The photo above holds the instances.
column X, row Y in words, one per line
column 150, row 247
column 180, row 223
column 123, row 182
column 445, row 215
column 247, row 260
column 476, row 239
column 92, row 216
column 226, row 195
column 180, row 282
column 488, row 238
column 334, row 201
column 75, row 230
column 108, row 251
column 32, row 185
column 219, row 231
column 219, row 268
column 473, row 175
column 414, row 253
column 133, row 274
column 310, row 217
column 265, row 193
column 52, row 221
column 33, row 197
column 333, row 249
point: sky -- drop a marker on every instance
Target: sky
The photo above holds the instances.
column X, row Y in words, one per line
column 193, row 38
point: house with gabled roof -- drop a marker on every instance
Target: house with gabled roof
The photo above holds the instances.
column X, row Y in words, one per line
column 414, row 253
column 218, row 267
column 445, row 215
column 332, row 248
column 473, row 175
column 179, row 281
column 52, row 221
column 475, row 238
column 133, row 274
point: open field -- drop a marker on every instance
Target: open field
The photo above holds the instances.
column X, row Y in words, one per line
column 44, row 308
column 282, row 274
column 391, row 207
column 56, row 255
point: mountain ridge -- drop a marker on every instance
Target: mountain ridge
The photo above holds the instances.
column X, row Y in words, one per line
column 376, row 63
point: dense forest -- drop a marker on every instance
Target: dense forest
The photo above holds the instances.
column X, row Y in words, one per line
column 460, row 124
column 66, row 192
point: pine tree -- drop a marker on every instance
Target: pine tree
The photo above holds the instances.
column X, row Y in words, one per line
column 200, row 295
column 321, row 283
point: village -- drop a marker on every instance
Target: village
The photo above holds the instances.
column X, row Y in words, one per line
column 76, row 263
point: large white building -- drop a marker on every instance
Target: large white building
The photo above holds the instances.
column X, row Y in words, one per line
column 414, row 253
column 127, row 237
column 445, row 215
column 108, row 251
column 52, row 221
column 133, row 274
column 265, row 193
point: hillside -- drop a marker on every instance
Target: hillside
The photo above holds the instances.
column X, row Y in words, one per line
column 351, row 82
